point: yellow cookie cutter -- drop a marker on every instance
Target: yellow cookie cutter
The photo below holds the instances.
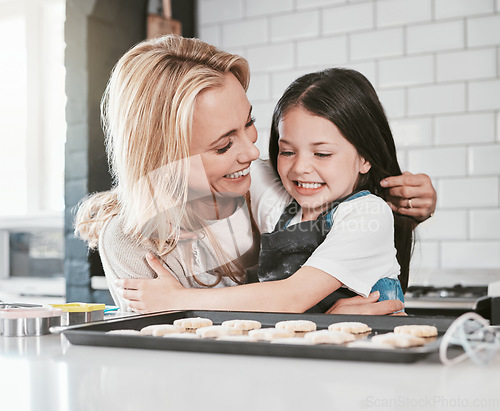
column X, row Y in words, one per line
column 79, row 307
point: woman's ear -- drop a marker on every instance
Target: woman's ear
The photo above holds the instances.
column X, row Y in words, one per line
column 364, row 166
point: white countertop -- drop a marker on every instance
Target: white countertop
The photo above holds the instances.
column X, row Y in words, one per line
column 49, row 374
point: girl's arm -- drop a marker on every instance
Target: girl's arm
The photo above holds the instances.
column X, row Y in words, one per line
column 297, row 293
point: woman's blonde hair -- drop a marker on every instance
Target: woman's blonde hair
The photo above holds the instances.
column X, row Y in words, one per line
column 147, row 112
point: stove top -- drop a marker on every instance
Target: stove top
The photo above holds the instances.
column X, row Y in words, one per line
column 458, row 291
column 449, row 301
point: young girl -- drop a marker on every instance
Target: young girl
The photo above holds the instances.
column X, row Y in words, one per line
column 331, row 146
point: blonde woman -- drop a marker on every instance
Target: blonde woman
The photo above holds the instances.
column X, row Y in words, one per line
column 180, row 139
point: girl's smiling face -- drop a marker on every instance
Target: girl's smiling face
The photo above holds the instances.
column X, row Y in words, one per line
column 316, row 163
column 223, row 137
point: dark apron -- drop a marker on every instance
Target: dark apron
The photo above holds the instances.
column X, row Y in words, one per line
column 287, row 248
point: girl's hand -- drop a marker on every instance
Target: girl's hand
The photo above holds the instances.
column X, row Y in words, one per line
column 366, row 306
column 412, row 195
column 150, row 295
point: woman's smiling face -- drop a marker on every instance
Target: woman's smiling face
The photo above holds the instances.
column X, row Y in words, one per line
column 223, row 138
column 316, row 163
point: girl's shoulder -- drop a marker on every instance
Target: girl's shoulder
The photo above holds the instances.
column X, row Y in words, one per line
column 369, row 204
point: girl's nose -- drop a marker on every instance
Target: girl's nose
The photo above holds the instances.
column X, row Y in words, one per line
column 301, row 165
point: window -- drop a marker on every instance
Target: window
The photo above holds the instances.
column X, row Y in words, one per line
column 32, row 104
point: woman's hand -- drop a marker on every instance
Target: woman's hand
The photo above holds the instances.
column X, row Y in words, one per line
column 412, row 195
column 151, row 295
column 366, row 306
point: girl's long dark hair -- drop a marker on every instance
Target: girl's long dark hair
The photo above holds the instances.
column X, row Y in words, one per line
column 347, row 99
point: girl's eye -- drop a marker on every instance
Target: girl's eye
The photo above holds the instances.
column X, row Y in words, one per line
column 225, row 148
column 323, row 155
column 251, row 122
column 286, row 153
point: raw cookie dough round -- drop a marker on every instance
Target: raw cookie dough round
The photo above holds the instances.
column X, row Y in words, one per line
column 215, row 331
column 245, row 325
column 329, row 337
column 158, row 330
column 350, row 327
column 417, row 330
column 269, row 334
column 193, row 323
column 398, row 340
column 297, row 326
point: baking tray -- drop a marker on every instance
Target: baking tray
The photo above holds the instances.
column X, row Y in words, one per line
column 95, row 334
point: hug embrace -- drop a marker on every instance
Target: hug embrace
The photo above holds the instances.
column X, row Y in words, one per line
column 196, row 220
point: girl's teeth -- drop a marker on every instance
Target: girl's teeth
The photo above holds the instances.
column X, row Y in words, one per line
column 238, row 174
column 309, row 185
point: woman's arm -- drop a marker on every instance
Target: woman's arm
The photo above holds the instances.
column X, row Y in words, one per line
column 165, row 286
column 412, row 195
column 294, row 294
column 370, row 305
column 356, row 264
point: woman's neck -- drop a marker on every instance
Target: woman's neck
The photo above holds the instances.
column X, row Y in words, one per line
column 215, row 207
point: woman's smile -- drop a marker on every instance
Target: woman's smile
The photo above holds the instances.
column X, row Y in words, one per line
column 238, row 174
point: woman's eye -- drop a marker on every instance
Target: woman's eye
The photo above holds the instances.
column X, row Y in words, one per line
column 323, row 155
column 251, row 122
column 225, row 148
column 286, row 153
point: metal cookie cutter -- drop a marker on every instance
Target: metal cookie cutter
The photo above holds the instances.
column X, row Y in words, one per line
column 78, row 313
column 19, row 322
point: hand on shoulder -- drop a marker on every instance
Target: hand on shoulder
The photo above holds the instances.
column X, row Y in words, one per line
column 412, row 195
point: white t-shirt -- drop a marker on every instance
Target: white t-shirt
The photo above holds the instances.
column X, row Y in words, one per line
column 359, row 249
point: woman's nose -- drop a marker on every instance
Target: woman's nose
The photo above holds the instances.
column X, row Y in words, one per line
column 249, row 151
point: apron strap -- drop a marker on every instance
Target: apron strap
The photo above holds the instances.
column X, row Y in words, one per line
column 293, row 208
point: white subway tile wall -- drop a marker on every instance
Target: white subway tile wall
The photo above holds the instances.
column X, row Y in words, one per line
column 406, row 71
column 462, row 8
column 377, row 44
column 439, row 162
column 484, row 224
column 266, row 7
column 435, row 37
column 474, row 64
column 483, row 31
column 295, row 26
column 334, row 52
column 465, row 129
column 438, row 98
column 402, row 12
column 436, row 67
column 349, row 18
column 245, row 33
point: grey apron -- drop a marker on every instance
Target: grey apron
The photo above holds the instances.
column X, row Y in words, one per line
column 287, row 248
